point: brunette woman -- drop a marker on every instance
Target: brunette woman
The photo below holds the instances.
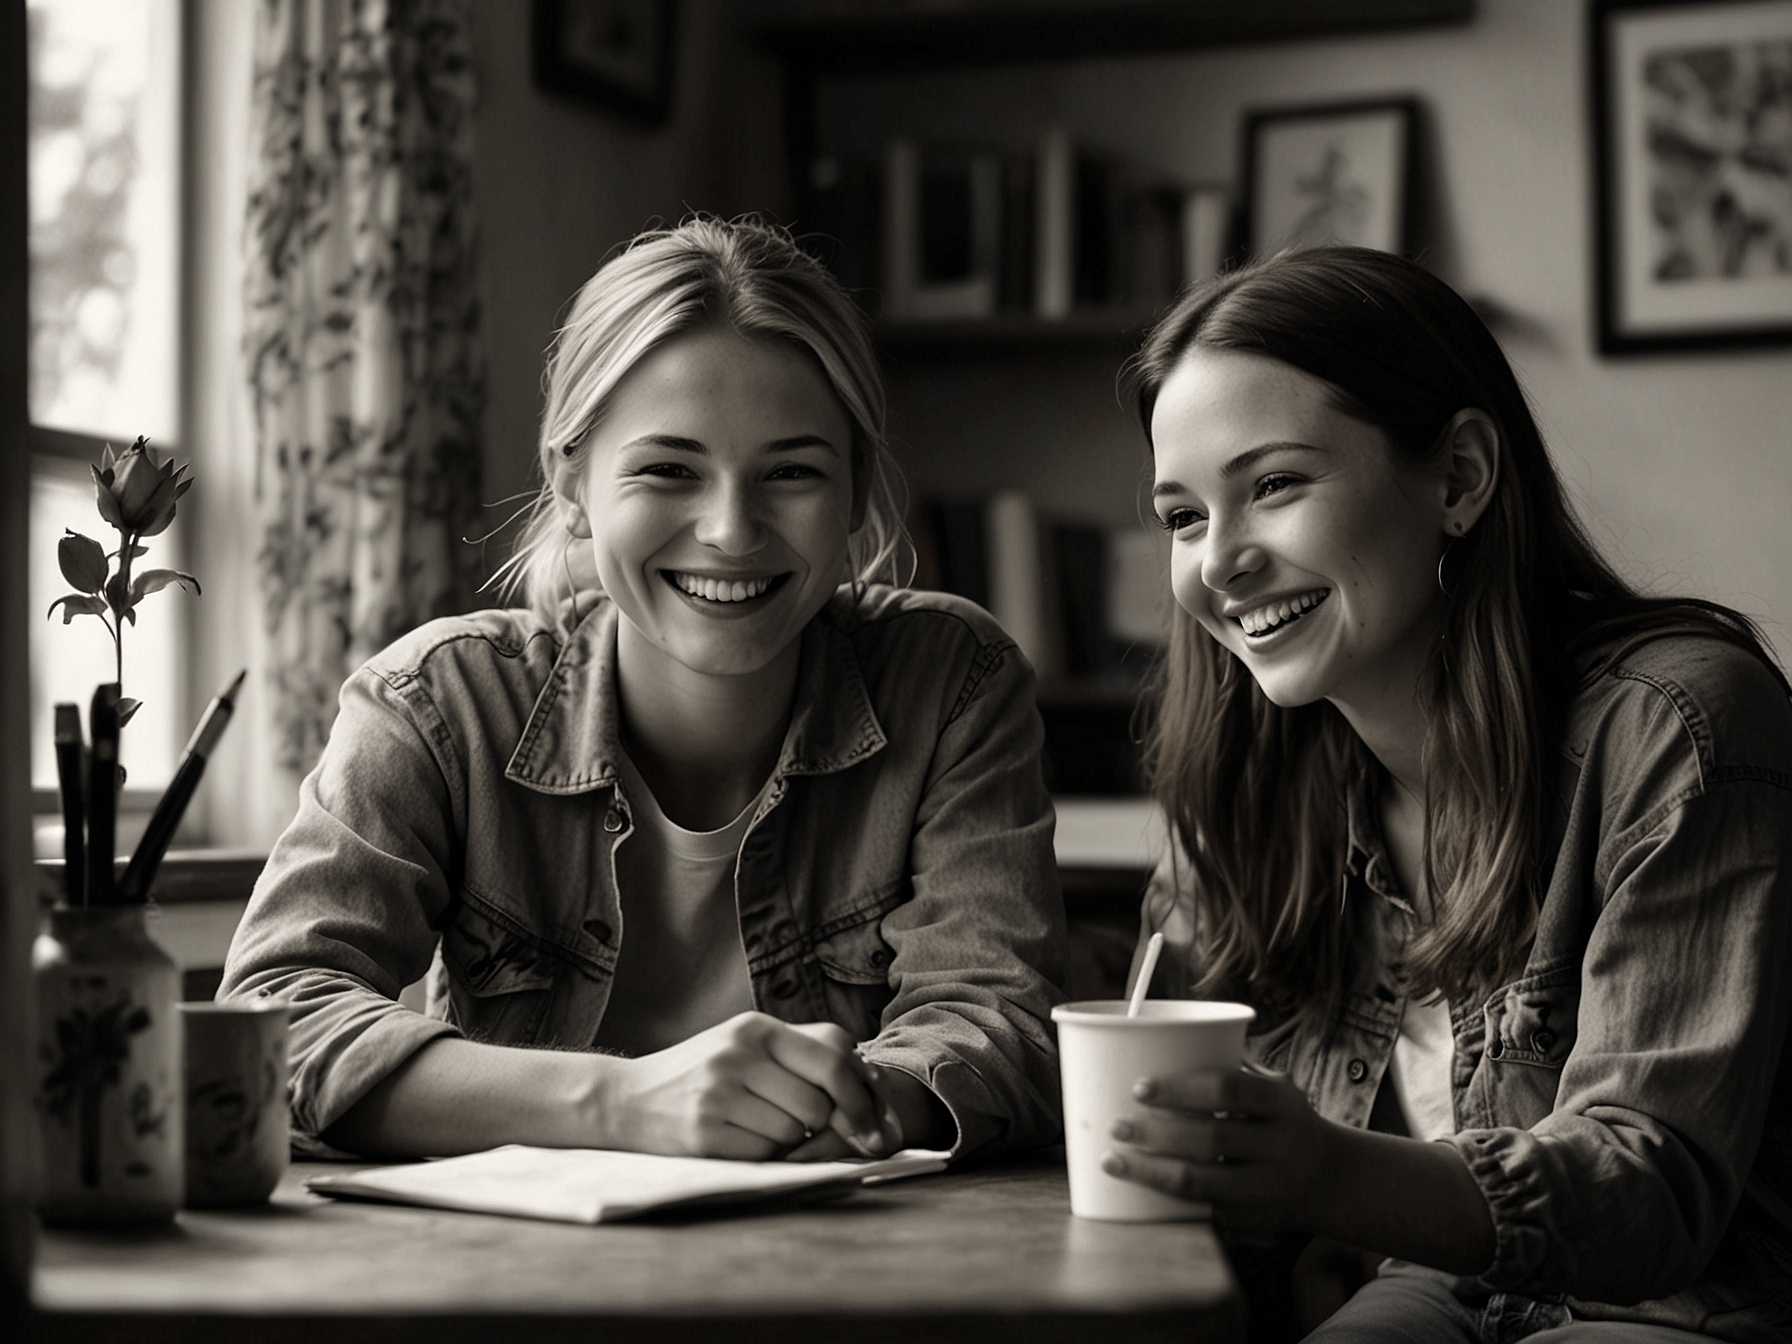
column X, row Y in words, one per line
column 1500, row 850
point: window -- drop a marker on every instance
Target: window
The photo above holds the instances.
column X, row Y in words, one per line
column 104, row 161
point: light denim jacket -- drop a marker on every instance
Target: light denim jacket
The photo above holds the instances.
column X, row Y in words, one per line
column 1623, row 1104
column 897, row 877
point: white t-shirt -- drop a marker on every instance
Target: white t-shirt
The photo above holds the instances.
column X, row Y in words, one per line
column 1423, row 1056
column 681, row 967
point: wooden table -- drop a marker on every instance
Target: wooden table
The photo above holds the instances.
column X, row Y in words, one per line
column 988, row 1254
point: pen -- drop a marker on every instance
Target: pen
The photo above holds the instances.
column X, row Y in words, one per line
column 69, row 750
column 166, row 818
column 102, row 793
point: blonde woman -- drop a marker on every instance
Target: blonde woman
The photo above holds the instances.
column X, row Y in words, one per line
column 728, row 847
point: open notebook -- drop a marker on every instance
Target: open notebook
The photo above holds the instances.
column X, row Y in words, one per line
column 596, row 1185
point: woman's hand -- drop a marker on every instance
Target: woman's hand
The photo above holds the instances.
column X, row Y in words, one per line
column 1246, row 1142
column 913, row 1117
column 751, row 1087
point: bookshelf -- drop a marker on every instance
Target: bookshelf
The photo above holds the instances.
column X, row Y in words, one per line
column 970, row 390
column 878, row 36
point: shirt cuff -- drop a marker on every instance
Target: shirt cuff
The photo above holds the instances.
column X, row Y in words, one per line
column 327, row 1084
column 1506, row 1165
column 957, row 1086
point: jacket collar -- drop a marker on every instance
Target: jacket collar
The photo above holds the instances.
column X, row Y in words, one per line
column 1368, row 854
column 574, row 735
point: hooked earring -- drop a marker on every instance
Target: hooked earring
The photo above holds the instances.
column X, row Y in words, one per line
column 1440, row 564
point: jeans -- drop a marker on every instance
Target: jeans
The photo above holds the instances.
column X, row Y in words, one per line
column 1409, row 1305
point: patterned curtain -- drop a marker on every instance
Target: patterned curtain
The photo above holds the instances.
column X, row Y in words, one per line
column 361, row 337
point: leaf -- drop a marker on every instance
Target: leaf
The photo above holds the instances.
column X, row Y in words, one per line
column 118, row 597
column 83, row 561
column 154, row 580
column 77, row 604
column 126, row 708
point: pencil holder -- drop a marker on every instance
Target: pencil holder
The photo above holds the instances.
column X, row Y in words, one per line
column 109, row 1082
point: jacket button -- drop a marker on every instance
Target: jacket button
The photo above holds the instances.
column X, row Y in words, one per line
column 784, row 989
column 880, row 958
column 600, row 930
column 613, row 820
column 1357, row 1070
column 1542, row 1040
column 1495, row 1048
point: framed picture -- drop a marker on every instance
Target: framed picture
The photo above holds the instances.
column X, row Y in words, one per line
column 615, row 53
column 1692, row 131
column 1341, row 173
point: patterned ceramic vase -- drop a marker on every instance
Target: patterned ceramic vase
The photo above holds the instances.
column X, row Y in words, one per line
column 110, row 1089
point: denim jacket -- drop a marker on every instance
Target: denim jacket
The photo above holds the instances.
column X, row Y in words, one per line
column 1624, row 1103
column 897, row 877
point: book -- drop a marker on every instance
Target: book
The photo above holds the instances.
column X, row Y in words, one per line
column 1016, row 574
column 1206, row 232
column 597, row 1185
column 1138, row 586
column 899, row 237
column 959, row 235
column 1054, row 254
column 942, row 231
column 1080, row 564
column 839, row 220
column 1146, row 256
column 1020, row 206
column 958, row 528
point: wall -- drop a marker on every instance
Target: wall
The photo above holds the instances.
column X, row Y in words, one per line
column 559, row 184
column 1682, row 464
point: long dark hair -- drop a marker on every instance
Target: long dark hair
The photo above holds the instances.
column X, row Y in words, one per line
column 1254, row 791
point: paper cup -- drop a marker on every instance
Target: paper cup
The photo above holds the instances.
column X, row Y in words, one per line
column 237, row 1114
column 1102, row 1053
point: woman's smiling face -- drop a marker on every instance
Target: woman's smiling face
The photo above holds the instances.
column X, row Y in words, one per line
column 1300, row 542
column 718, row 490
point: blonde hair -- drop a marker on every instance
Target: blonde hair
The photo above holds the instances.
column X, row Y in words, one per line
column 742, row 275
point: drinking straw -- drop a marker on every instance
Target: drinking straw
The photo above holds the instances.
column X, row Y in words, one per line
column 1146, row 967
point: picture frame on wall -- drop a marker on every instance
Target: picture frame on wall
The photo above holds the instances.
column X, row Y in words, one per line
column 1333, row 173
column 1692, row 135
column 617, row 54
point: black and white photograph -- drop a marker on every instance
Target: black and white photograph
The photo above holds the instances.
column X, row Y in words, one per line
column 1338, row 174
column 895, row 671
column 1695, row 146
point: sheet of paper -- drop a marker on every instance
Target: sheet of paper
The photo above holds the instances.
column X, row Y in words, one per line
column 595, row 1185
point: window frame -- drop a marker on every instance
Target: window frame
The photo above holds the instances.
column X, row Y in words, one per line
column 62, row 445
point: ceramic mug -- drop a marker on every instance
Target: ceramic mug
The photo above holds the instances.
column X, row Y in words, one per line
column 237, row 1113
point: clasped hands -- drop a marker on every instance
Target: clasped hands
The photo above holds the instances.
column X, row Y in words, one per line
column 756, row 1088
column 1245, row 1141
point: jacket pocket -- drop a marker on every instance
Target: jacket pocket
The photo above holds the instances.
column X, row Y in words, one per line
column 855, row 968
column 499, row 982
column 1530, row 1028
